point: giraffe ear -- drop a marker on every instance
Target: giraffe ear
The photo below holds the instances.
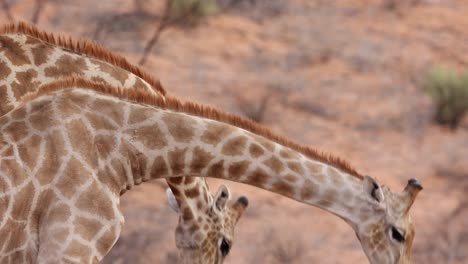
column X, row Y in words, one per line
column 373, row 189
column 172, row 200
column 221, row 198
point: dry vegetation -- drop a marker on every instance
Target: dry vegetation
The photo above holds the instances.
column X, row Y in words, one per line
column 449, row 91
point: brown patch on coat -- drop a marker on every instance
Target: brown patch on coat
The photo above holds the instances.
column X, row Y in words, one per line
column 65, row 66
column 150, row 136
column 104, row 145
column 235, row 146
column 180, row 126
column 288, row 153
column 291, row 178
column 296, row 167
column 237, row 169
column 314, row 167
column 5, row 105
column 192, row 192
column 170, row 103
column 24, row 83
column 216, row 170
column 255, row 150
column 86, row 228
column 175, row 181
column 72, row 178
column 41, row 51
column 283, row 188
column 29, row 151
column 16, row 130
column 189, row 180
column 274, row 164
column 258, row 178
column 13, row 51
column 139, row 114
column 268, row 145
column 99, row 122
column 159, row 168
column 215, row 132
column 19, row 113
column 4, row 71
column 328, row 199
column 42, row 120
column 309, row 190
column 177, row 160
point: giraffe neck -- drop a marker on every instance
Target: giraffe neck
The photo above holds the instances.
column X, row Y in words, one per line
column 136, row 142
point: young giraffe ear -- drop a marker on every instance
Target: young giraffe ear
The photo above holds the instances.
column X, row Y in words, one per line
column 221, row 198
column 172, row 200
column 373, row 189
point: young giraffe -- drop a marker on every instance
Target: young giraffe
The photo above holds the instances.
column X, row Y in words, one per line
column 93, row 142
column 206, row 222
column 30, row 57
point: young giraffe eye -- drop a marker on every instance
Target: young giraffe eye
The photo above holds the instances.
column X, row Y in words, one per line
column 224, row 247
column 397, row 235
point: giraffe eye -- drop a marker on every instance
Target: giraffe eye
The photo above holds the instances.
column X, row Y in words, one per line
column 224, row 247
column 397, row 235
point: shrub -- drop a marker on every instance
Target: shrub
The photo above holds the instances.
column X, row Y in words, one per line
column 191, row 10
column 449, row 91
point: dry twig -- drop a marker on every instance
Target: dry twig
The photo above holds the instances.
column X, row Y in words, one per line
column 157, row 32
column 39, row 4
column 6, row 10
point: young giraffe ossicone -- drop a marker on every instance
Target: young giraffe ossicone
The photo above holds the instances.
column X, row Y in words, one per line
column 96, row 141
column 30, row 57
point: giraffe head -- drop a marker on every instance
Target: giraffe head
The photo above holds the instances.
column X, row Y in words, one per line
column 205, row 231
column 387, row 234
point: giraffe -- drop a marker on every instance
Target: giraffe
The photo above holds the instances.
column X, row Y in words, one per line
column 94, row 142
column 206, row 223
column 30, row 57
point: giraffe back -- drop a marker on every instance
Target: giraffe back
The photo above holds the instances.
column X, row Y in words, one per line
column 30, row 57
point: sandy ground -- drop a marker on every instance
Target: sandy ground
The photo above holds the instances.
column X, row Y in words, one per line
column 343, row 76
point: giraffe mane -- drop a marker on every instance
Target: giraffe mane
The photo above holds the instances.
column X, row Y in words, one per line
column 191, row 108
column 83, row 46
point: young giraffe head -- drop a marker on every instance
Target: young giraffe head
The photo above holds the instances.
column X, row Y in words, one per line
column 387, row 234
column 205, row 232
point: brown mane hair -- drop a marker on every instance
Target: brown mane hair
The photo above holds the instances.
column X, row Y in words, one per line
column 191, row 108
column 82, row 46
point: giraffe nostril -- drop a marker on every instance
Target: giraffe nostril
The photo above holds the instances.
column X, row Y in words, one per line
column 243, row 200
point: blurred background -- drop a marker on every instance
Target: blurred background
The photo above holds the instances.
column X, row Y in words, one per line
column 381, row 83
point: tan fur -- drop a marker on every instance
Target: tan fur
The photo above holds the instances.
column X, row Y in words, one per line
column 192, row 108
